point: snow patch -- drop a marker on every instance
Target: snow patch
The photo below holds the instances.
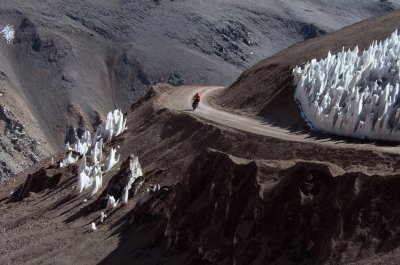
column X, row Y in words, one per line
column 8, row 33
column 93, row 227
column 154, row 188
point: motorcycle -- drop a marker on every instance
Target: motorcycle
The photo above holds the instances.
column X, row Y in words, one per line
column 195, row 104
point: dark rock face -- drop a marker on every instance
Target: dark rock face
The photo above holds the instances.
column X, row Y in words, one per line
column 118, row 182
column 43, row 179
column 230, row 211
column 204, row 207
column 15, row 141
column 386, row 5
column 229, row 40
column 309, row 31
column 12, row 124
column 176, row 79
column 70, row 135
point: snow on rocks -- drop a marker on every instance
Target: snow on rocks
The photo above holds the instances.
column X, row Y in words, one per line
column 126, row 181
column 154, row 188
column 82, row 145
column 68, row 160
column 68, row 147
column 8, row 33
column 354, row 94
column 136, row 173
column 139, row 184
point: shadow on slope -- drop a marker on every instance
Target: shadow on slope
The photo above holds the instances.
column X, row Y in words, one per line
column 228, row 210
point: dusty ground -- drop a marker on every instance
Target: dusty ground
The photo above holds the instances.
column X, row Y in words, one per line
column 73, row 59
column 259, row 199
column 180, row 100
column 52, row 226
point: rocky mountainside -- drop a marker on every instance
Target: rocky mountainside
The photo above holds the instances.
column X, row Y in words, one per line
column 232, row 211
column 72, row 61
column 268, row 85
column 209, row 194
column 256, row 200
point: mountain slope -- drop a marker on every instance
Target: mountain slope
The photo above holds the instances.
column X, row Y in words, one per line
column 267, row 90
column 72, row 61
column 52, row 222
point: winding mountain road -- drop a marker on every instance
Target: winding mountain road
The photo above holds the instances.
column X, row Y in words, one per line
column 179, row 99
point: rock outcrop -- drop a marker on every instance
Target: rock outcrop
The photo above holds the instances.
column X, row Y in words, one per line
column 43, row 179
column 232, row 211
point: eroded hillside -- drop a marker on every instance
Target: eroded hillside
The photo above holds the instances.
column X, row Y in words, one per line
column 256, row 200
column 70, row 62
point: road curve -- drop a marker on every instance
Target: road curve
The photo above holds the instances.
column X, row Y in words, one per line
column 179, row 99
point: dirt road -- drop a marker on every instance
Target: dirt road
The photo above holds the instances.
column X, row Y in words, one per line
column 179, row 99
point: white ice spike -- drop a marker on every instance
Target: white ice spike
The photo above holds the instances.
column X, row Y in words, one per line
column 112, row 159
column 111, row 203
column 353, row 93
column 84, row 175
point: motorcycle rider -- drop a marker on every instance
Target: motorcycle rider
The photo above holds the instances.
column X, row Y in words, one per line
column 196, row 100
column 196, row 97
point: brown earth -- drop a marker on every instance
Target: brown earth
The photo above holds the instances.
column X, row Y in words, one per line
column 232, row 211
column 51, row 225
column 259, row 199
column 75, row 60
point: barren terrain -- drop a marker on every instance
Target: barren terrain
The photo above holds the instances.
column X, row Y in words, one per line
column 72, row 61
column 242, row 179
column 180, row 100
column 52, row 224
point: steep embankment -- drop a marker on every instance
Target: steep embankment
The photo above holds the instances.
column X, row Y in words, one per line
column 267, row 88
column 232, row 211
column 251, row 200
column 180, row 100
